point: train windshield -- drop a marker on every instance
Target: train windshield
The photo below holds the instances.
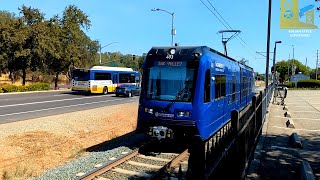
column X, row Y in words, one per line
column 171, row 80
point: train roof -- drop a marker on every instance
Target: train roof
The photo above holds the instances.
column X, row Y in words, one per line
column 184, row 50
column 107, row 68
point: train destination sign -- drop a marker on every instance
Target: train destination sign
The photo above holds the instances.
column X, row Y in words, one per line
column 169, row 63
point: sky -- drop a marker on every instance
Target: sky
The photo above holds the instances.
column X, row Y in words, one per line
column 135, row 28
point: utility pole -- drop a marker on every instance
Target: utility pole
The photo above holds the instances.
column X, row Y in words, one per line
column 288, row 68
column 306, row 62
column 317, row 67
column 268, row 43
column 173, row 31
column 293, row 69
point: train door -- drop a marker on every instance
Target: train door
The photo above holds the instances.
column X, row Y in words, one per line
column 219, row 97
column 240, row 96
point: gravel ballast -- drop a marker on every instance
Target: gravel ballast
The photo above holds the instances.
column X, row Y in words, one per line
column 33, row 146
column 83, row 164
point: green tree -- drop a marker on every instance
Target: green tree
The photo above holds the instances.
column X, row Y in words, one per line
column 70, row 46
column 11, row 46
column 259, row 76
column 32, row 31
column 285, row 68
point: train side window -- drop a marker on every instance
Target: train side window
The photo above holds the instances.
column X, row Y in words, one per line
column 207, row 86
column 230, row 91
column 220, row 86
column 249, row 86
column 243, row 89
column 233, row 89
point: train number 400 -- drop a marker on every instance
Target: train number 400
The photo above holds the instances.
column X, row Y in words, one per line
column 169, row 56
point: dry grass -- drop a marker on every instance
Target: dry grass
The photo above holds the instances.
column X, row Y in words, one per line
column 21, row 171
column 33, row 146
column 4, row 79
column 260, row 83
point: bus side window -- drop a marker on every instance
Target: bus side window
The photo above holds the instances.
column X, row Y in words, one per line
column 102, row 76
column 115, row 78
column 207, row 86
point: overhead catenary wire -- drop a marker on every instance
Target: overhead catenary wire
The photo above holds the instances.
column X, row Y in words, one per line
column 226, row 25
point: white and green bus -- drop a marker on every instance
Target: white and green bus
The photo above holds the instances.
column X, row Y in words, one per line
column 103, row 79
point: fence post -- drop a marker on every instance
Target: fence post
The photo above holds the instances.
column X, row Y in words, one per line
column 253, row 127
column 261, row 111
column 235, row 125
column 254, row 106
column 196, row 162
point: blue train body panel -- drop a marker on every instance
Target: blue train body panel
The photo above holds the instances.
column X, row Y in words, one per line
column 191, row 91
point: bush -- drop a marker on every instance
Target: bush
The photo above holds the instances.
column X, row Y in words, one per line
column 308, row 83
column 7, row 88
column 10, row 88
column 290, row 85
column 38, row 86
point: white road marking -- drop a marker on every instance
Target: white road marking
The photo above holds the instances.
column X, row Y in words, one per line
column 298, row 118
column 311, row 130
column 42, row 102
column 297, row 111
column 61, row 107
column 60, row 94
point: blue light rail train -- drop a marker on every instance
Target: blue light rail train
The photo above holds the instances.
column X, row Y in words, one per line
column 190, row 92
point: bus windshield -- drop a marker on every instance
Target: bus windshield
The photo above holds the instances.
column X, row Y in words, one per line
column 80, row 75
column 167, row 79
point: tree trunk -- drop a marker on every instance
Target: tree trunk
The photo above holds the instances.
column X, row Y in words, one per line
column 11, row 77
column 24, row 75
column 56, row 81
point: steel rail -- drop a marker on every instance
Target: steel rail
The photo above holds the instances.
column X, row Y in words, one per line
column 98, row 171
column 170, row 165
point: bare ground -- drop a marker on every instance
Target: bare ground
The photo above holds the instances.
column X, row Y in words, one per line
column 30, row 147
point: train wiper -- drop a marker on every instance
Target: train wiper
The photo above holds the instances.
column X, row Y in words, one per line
column 166, row 109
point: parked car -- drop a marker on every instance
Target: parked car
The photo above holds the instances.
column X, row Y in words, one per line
column 127, row 90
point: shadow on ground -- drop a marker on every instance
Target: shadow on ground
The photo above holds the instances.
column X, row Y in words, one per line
column 130, row 140
column 280, row 160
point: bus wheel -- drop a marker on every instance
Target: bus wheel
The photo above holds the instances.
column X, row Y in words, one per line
column 105, row 90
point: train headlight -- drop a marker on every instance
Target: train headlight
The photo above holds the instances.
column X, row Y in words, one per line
column 172, row 51
column 150, row 111
column 187, row 114
column 180, row 113
column 150, row 131
column 147, row 110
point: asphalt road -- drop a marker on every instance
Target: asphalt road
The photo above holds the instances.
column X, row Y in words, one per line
column 22, row 106
column 17, row 107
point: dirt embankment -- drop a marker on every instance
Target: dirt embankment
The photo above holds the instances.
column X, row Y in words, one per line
column 32, row 146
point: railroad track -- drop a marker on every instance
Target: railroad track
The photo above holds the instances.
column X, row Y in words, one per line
column 134, row 165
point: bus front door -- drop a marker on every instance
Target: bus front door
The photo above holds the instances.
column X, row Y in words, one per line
column 115, row 82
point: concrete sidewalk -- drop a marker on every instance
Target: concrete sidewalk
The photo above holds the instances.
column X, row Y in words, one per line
column 276, row 157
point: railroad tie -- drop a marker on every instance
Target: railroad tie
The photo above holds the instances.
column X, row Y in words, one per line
column 134, row 163
column 131, row 173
